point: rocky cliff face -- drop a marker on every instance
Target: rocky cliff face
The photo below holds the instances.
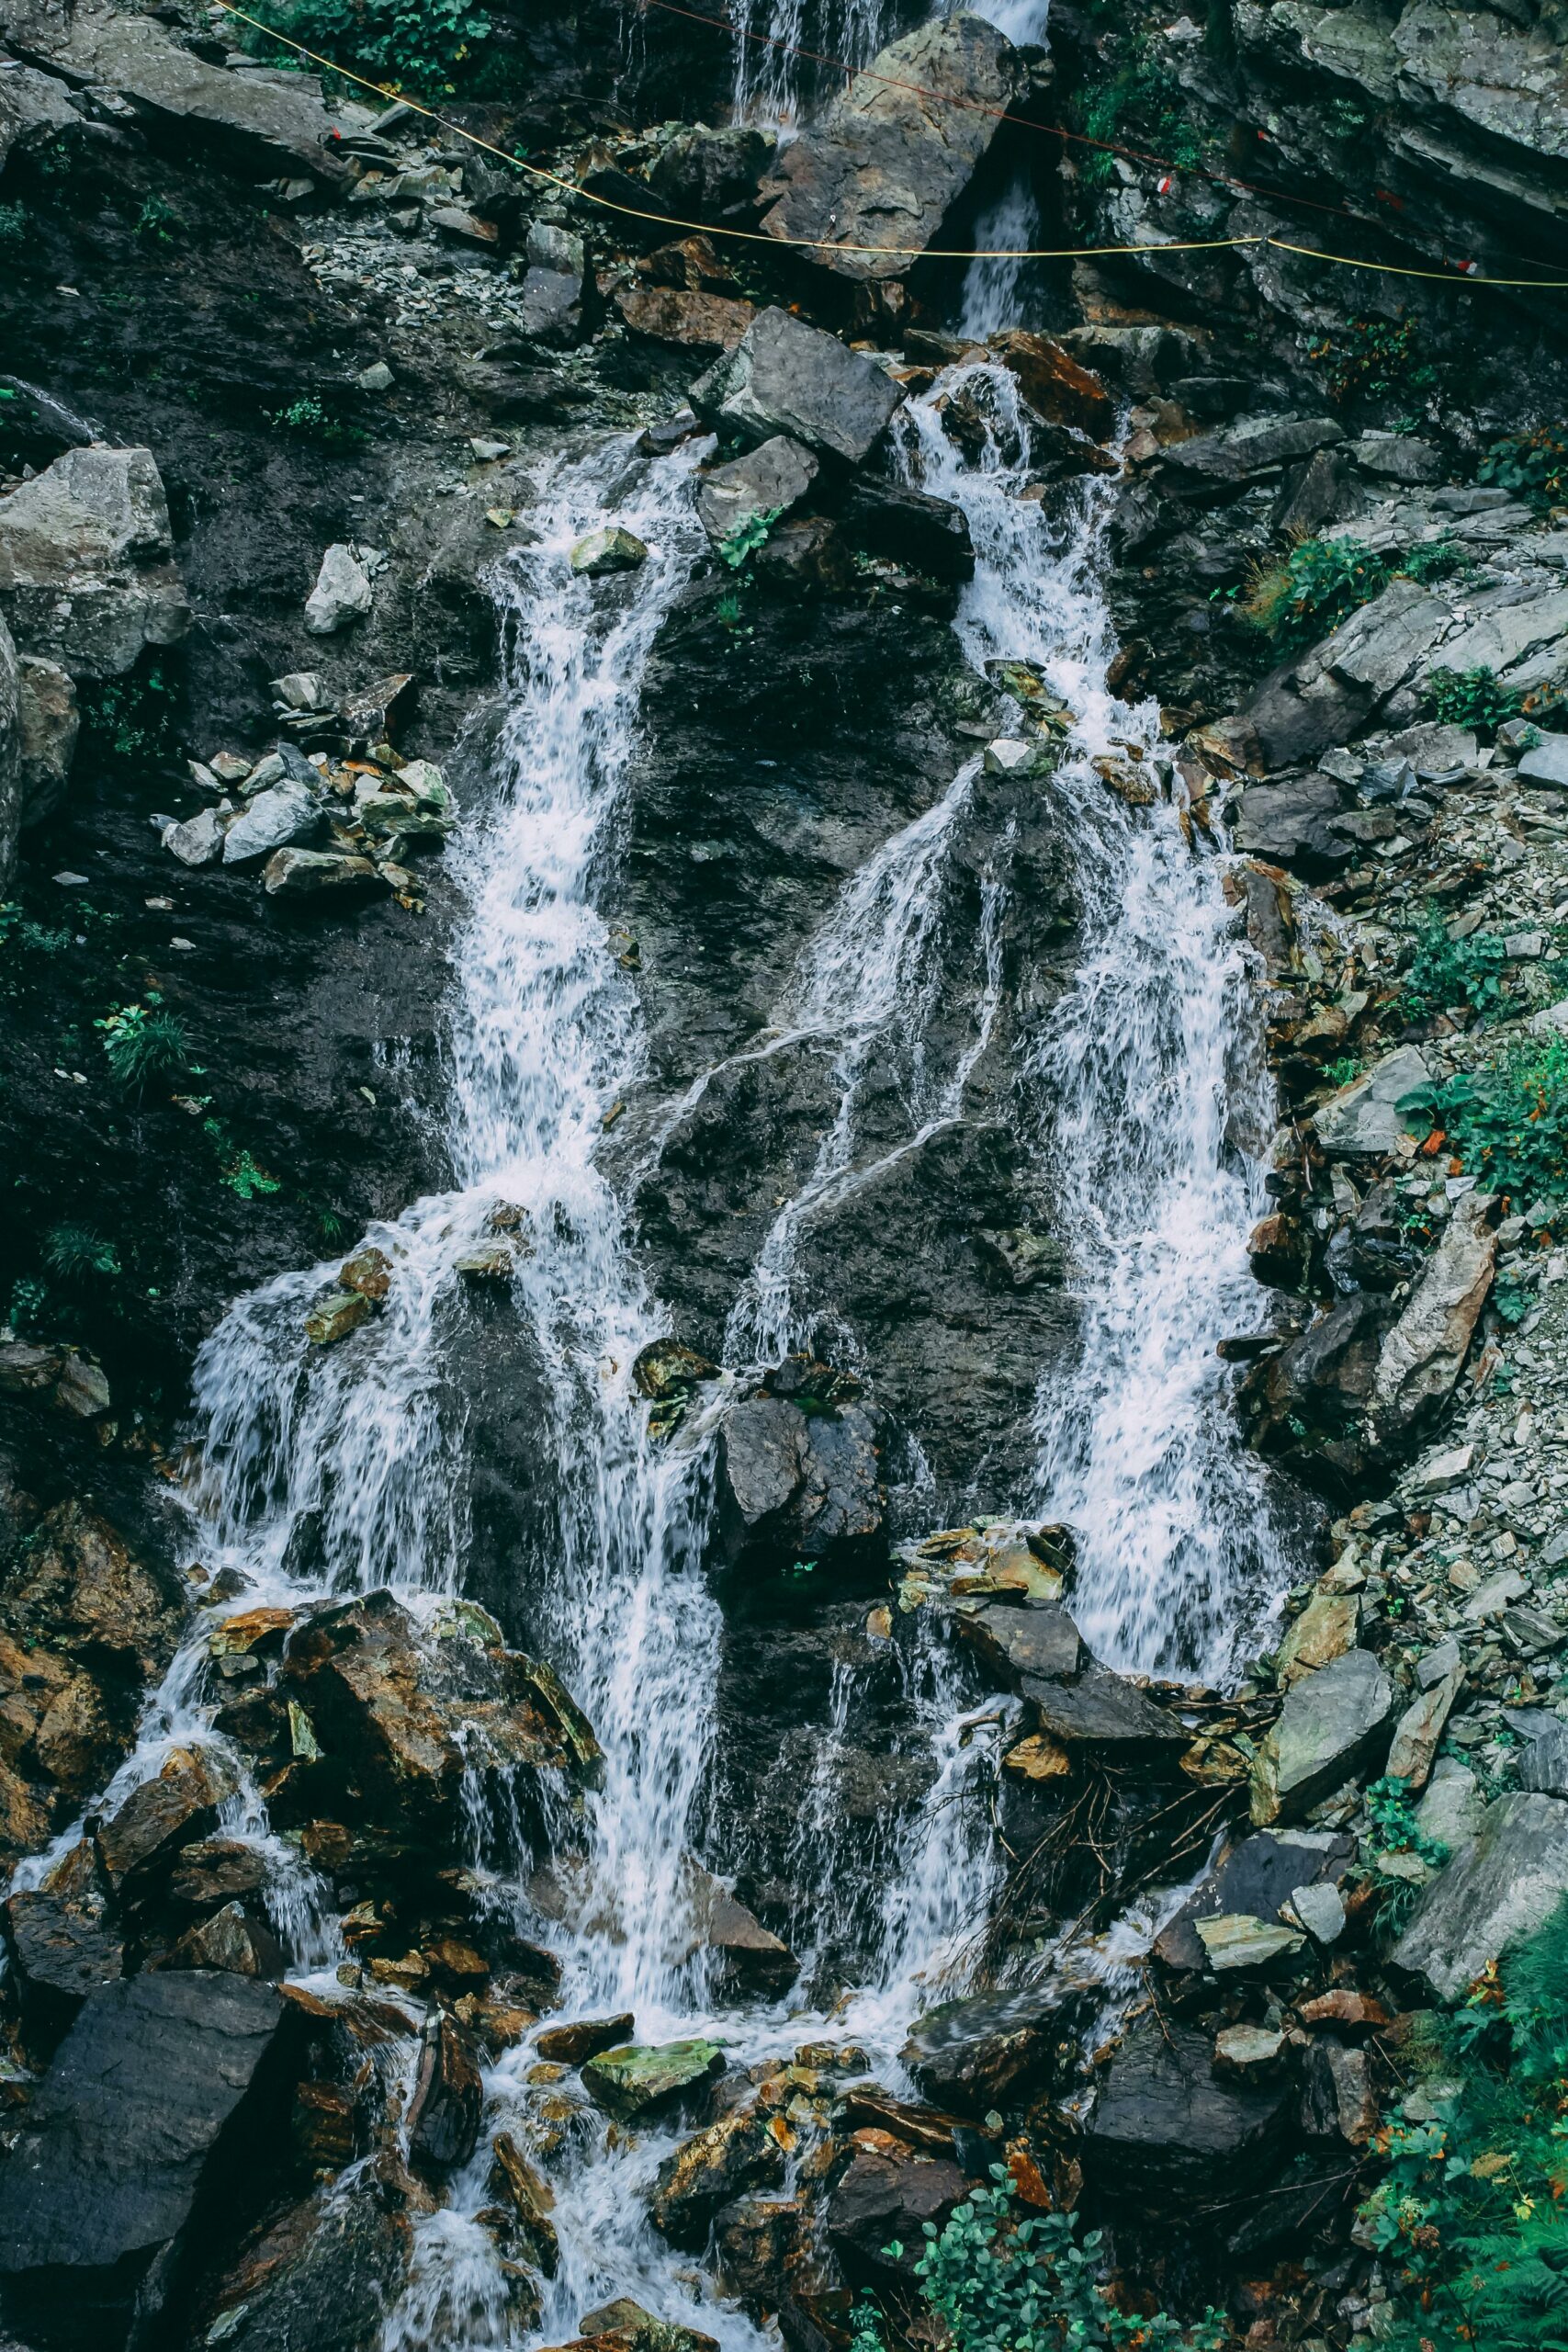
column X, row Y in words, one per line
column 783, row 1101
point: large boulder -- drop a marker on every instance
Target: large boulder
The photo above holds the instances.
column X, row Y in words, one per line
column 1288, row 823
column 1364, row 1118
column 320, row 2278
column 737, row 2154
column 1494, row 1891
column 767, row 480
column 34, row 108
column 1168, row 2132
column 87, row 576
column 49, row 723
column 882, row 163
column 1331, row 1724
column 639, row 2080
column 885, row 2197
column 166, row 2093
column 1424, row 1355
column 986, row 2051
column 1250, row 1878
column 257, row 122
column 85, row 1626
column 414, row 1710
column 786, row 376
column 906, row 526
column 794, row 1481
column 1330, row 693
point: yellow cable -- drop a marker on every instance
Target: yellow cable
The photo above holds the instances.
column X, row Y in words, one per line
column 824, row 244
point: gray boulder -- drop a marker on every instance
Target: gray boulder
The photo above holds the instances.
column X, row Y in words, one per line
column 768, row 480
column 1103, row 1715
column 1546, row 762
column 1254, row 446
column 552, row 285
column 1330, row 695
column 343, row 591
column 318, row 874
column 10, row 757
column 1041, row 1643
column 882, row 163
column 1502, row 1887
column 798, row 1482
column 281, row 818
column 1331, row 1724
column 1543, row 1753
column 255, row 122
column 786, row 376
column 1167, row 2126
column 1362, row 1118
column 87, row 576
column 159, row 2095
column 33, row 107
column 49, row 723
column 1288, row 823
column 1424, row 1353
column 198, row 841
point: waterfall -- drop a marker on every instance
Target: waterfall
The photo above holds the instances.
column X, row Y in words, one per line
column 326, row 1470
column 1007, row 227
column 1146, row 1090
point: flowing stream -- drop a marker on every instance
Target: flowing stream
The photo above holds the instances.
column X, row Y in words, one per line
column 337, row 1469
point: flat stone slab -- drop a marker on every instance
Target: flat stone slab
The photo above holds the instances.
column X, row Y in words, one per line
column 1362, row 1117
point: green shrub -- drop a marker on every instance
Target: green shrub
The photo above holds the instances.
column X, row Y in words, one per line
column 1470, row 2222
column 157, row 222
column 236, row 1167
column 141, row 1042
column 1136, row 106
column 1507, row 1126
column 311, row 419
column 1375, row 358
column 1320, row 584
column 424, row 45
column 996, row 2281
column 16, row 229
column 1533, row 465
column 738, row 546
column 132, row 717
column 1470, row 699
column 1446, row 972
column 79, row 1255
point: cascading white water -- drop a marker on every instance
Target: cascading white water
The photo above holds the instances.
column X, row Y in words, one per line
column 1148, row 1085
column 337, row 1469
column 1005, row 229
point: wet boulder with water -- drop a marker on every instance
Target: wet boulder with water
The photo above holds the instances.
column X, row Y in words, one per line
column 635, row 2081
column 800, row 1467
column 737, row 2154
column 85, row 1623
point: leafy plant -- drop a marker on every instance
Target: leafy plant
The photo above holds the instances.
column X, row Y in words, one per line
column 738, row 546
column 1470, row 2222
column 1375, row 358
column 1470, row 698
column 1533, row 464
column 142, row 1041
column 1507, row 1124
column 1394, row 1828
column 77, row 1254
column 132, row 717
column 1445, row 972
column 311, row 420
column 996, row 2281
column 157, row 222
column 15, row 227
column 237, row 1169
column 1319, row 584
column 29, row 1305
column 1343, row 1071
column 419, row 44
column 1135, row 106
